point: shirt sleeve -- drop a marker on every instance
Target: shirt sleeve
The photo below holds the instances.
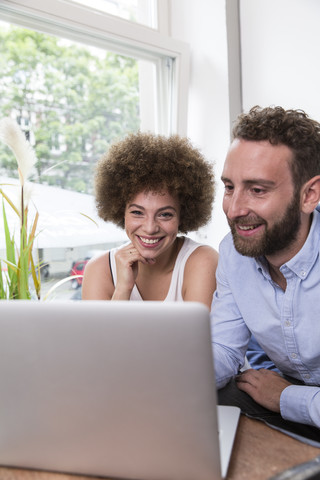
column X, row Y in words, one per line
column 230, row 335
column 300, row 403
column 257, row 357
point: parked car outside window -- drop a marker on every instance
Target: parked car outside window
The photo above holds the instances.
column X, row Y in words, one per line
column 78, row 269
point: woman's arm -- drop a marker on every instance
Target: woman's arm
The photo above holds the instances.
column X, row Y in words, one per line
column 127, row 259
column 97, row 279
column 98, row 282
column 199, row 281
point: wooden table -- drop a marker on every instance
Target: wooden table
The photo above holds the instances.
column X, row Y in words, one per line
column 259, row 453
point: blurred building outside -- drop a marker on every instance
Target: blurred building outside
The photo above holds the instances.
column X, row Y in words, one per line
column 68, row 230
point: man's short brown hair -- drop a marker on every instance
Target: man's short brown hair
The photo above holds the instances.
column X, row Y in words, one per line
column 292, row 128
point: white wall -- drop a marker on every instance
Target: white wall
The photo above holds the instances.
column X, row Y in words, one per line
column 280, row 65
column 202, row 23
column 280, row 42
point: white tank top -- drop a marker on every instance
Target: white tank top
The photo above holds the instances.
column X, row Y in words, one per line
column 175, row 289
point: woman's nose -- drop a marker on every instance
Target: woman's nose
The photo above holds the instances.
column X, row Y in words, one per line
column 150, row 226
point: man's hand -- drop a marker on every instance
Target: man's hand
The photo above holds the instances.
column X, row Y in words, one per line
column 264, row 386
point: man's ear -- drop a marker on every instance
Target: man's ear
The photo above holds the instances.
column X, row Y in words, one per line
column 310, row 194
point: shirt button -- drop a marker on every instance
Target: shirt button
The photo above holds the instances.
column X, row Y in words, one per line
column 293, row 355
column 307, row 376
column 303, row 273
column 288, row 323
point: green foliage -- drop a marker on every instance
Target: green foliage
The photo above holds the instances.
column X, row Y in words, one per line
column 75, row 100
column 18, row 256
column 14, row 283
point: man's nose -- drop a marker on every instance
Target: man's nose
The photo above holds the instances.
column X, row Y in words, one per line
column 236, row 205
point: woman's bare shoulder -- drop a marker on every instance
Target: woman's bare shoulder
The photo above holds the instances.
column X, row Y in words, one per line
column 97, row 280
column 202, row 261
column 98, row 261
column 204, row 253
column 200, row 275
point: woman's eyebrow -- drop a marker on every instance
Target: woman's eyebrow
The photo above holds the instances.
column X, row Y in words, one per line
column 135, row 205
column 167, row 207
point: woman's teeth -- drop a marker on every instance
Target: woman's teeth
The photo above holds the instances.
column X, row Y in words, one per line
column 149, row 240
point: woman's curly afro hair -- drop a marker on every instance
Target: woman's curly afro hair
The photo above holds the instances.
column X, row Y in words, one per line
column 145, row 162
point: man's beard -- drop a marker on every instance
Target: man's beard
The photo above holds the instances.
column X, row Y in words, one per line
column 283, row 233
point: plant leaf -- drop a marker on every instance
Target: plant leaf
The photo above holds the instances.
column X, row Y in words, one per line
column 10, row 250
column 59, row 283
column 12, row 135
column 3, row 293
column 12, row 205
column 87, row 216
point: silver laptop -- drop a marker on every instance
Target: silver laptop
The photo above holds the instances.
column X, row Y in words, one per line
column 114, row 389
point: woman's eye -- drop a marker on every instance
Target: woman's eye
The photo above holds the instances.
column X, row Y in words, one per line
column 166, row 215
column 136, row 212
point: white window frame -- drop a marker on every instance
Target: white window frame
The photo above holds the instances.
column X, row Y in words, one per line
column 79, row 23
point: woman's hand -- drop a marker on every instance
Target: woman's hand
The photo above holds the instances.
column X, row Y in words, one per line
column 127, row 259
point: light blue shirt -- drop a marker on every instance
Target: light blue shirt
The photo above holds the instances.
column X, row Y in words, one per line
column 286, row 324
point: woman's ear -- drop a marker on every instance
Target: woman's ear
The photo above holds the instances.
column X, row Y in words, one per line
column 310, row 194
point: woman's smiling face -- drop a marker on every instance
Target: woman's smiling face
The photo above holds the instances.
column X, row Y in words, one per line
column 152, row 222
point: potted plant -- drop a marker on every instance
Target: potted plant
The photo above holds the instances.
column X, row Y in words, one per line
column 21, row 277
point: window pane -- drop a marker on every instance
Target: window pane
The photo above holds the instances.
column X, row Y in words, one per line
column 140, row 11
column 72, row 101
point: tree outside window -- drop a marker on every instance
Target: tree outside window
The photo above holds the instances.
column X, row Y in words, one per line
column 71, row 100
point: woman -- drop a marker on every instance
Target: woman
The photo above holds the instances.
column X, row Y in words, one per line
column 155, row 188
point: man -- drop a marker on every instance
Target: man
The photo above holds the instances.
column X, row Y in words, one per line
column 268, row 277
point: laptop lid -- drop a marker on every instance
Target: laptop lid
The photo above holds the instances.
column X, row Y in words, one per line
column 115, row 389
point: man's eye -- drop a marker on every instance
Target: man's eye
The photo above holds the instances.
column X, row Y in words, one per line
column 257, row 190
column 228, row 188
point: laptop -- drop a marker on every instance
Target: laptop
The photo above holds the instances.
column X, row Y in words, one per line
column 112, row 389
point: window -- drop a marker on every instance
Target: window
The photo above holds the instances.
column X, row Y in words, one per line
column 75, row 79
column 71, row 100
column 140, row 11
column 165, row 83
